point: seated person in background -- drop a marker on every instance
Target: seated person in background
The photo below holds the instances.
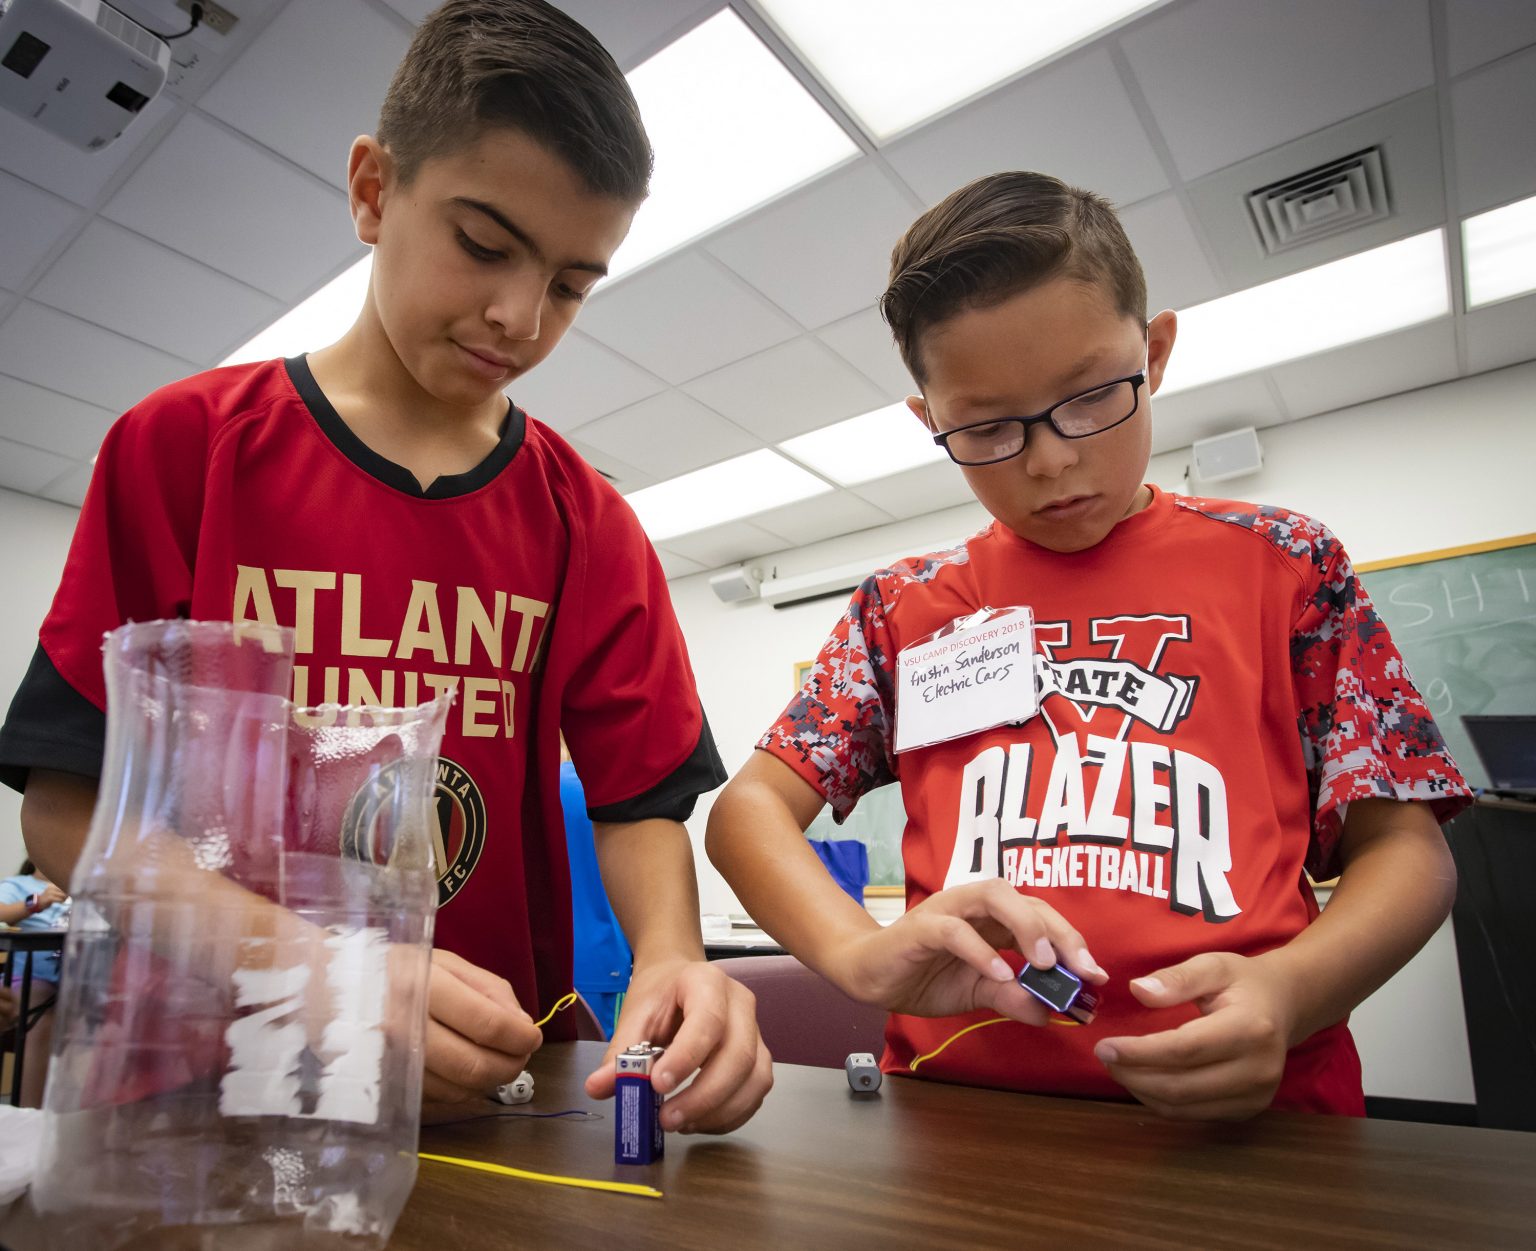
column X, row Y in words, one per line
column 443, row 538
column 29, row 901
column 1220, row 710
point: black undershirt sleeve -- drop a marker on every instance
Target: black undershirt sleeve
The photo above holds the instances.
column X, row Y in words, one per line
column 673, row 797
column 50, row 726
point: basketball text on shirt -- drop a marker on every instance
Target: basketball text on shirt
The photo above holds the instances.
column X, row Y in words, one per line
column 1113, row 813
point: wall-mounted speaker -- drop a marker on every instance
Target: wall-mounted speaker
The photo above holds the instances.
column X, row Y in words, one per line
column 1226, row 456
column 731, row 586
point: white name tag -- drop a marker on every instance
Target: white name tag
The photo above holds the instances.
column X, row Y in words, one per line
column 976, row 673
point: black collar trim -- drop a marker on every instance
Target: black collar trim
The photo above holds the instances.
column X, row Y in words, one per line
column 513, row 430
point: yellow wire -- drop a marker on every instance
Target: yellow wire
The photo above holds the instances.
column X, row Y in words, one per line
column 997, row 1020
column 565, row 1001
column 585, row 1183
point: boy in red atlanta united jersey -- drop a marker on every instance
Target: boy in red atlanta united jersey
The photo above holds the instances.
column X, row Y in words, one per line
column 1220, row 709
column 418, row 531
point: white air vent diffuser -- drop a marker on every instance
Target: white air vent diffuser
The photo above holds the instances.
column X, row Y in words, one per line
column 1338, row 196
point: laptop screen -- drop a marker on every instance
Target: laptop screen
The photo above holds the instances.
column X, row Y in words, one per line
column 1507, row 747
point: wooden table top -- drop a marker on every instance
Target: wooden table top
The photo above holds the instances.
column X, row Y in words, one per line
column 936, row 1166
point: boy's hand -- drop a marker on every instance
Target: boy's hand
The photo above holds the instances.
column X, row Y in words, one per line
column 708, row 1023
column 478, row 1036
column 1224, row 1065
column 941, row 958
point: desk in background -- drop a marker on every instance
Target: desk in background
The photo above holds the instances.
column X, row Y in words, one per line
column 15, row 943
column 926, row 1165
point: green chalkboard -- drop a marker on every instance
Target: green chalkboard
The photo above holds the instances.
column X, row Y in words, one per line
column 1465, row 623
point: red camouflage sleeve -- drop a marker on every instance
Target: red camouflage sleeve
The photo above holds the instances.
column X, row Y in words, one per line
column 837, row 732
column 1365, row 729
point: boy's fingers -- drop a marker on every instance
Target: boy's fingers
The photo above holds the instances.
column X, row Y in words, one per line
column 1191, row 1088
column 1041, row 933
column 466, row 1011
column 496, row 989
column 1012, row 1000
column 958, row 937
column 1209, row 973
column 456, row 1062
column 736, row 1110
column 705, row 1016
column 1205, row 1040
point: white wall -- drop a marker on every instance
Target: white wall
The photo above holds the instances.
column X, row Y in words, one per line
column 34, row 536
column 1429, row 469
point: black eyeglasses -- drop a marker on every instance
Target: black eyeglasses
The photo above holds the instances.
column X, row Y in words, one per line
column 1077, row 417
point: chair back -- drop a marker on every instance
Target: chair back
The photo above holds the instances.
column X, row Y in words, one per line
column 804, row 1019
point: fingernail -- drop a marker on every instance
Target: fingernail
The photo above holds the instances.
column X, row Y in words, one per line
column 1045, row 954
column 1106, row 1053
column 1151, row 985
column 671, row 1119
column 662, row 1082
column 1001, row 971
column 1088, row 964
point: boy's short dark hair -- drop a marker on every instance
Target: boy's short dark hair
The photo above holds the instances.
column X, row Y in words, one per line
column 999, row 236
column 477, row 64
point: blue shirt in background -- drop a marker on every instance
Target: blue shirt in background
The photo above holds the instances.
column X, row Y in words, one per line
column 14, row 890
column 602, row 960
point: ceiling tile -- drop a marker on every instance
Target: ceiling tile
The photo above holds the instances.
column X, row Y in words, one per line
column 726, row 544
column 29, row 469
column 917, row 491
column 1226, row 79
column 1178, row 273
column 801, row 385
column 667, row 435
column 1479, row 31
column 623, row 477
column 824, row 517
column 580, row 382
column 60, row 352
column 288, row 92
column 40, row 157
column 836, row 237
column 1072, row 119
column 1495, row 153
column 1501, row 334
column 1418, row 357
column 34, row 222
column 53, row 422
column 675, row 566
column 71, row 488
column 864, row 341
column 213, row 196
column 633, row 32
column 1178, row 420
column 120, row 280
column 683, row 317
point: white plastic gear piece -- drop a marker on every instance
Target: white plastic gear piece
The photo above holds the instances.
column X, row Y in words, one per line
column 518, row 1090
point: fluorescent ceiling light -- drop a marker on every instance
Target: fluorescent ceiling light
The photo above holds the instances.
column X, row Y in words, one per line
column 725, row 492
column 731, row 127
column 896, row 62
column 1371, row 293
column 861, row 449
column 1500, row 251
column 319, row 320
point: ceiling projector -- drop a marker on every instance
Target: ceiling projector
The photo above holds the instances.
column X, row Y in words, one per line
column 78, row 68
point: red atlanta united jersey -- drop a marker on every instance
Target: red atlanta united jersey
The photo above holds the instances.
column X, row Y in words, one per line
column 527, row 585
column 1216, row 688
